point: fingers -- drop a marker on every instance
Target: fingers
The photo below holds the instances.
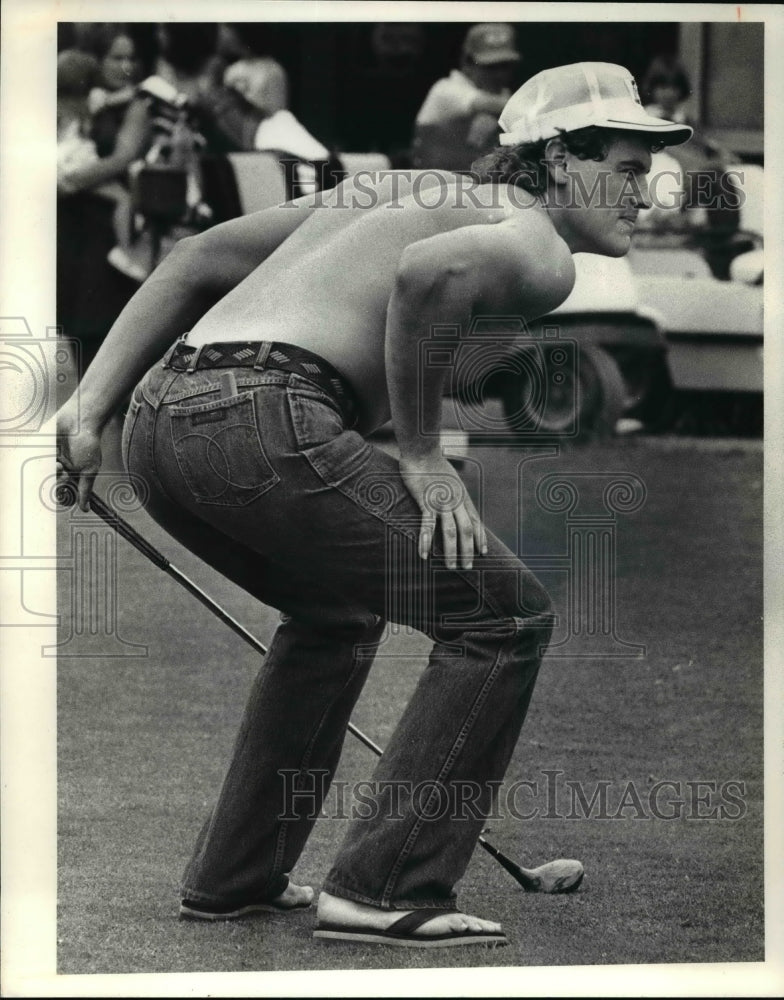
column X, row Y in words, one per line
column 480, row 534
column 84, row 490
column 465, row 539
column 462, row 535
column 444, row 502
column 426, row 531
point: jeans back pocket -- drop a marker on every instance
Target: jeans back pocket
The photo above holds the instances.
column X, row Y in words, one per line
column 219, row 451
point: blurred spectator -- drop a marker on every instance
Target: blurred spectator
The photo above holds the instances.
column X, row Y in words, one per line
column 383, row 91
column 279, row 131
column 248, row 43
column 93, row 204
column 262, row 83
column 700, row 205
column 666, row 89
column 118, row 120
column 458, row 122
column 190, row 62
column 77, row 74
column 121, row 70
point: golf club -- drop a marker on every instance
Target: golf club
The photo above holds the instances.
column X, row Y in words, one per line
column 559, row 876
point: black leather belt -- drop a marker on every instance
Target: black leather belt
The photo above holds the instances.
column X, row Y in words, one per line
column 264, row 356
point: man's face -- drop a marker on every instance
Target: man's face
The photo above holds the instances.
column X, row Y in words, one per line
column 604, row 198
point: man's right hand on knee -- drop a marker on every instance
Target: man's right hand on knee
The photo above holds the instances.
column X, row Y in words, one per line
column 444, row 502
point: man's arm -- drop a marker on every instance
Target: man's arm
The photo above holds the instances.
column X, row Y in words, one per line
column 198, row 272
column 445, row 281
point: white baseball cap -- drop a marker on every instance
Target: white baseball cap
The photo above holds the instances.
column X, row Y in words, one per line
column 566, row 98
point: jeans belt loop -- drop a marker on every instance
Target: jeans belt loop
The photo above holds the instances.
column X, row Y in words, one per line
column 194, row 361
column 180, row 341
column 261, row 357
column 168, row 355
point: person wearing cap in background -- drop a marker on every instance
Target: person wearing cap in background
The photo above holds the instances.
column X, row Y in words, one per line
column 306, row 331
column 458, row 120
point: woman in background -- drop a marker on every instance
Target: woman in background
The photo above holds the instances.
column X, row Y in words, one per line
column 93, row 203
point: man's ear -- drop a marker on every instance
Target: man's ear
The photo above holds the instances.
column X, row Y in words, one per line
column 555, row 157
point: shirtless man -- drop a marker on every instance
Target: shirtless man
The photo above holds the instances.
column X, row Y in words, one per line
column 303, row 330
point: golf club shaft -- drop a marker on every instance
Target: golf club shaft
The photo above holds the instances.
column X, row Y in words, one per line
column 521, row 875
column 112, row 518
column 527, row 879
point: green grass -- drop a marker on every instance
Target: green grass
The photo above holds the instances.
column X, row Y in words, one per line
column 143, row 743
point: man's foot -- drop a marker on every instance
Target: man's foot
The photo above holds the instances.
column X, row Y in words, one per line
column 293, row 897
column 344, row 920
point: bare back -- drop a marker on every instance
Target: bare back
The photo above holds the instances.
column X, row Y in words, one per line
column 327, row 286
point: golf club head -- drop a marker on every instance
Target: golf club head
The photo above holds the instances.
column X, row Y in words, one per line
column 561, row 876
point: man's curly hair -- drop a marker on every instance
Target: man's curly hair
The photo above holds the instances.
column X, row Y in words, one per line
column 525, row 167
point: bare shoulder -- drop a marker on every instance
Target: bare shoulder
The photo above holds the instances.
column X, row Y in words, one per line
column 536, row 259
column 513, row 258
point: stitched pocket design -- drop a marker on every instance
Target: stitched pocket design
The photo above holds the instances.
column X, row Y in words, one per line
column 219, row 451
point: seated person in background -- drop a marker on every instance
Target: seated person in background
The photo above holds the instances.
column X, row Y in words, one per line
column 259, row 82
column 458, row 121
column 246, row 69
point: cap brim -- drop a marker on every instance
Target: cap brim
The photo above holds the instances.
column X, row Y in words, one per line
column 670, row 133
column 500, row 56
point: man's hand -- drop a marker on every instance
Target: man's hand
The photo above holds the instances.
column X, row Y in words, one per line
column 443, row 499
column 78, row 454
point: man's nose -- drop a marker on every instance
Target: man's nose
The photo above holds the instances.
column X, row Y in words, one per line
column 641, row 196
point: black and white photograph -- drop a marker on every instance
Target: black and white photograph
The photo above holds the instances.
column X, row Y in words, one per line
column 390, row 449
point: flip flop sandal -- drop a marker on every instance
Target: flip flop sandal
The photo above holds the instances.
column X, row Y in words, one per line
column 403, row 933
column 207, row 911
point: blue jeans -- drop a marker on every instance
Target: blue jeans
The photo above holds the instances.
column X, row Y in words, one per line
column 256, row 473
